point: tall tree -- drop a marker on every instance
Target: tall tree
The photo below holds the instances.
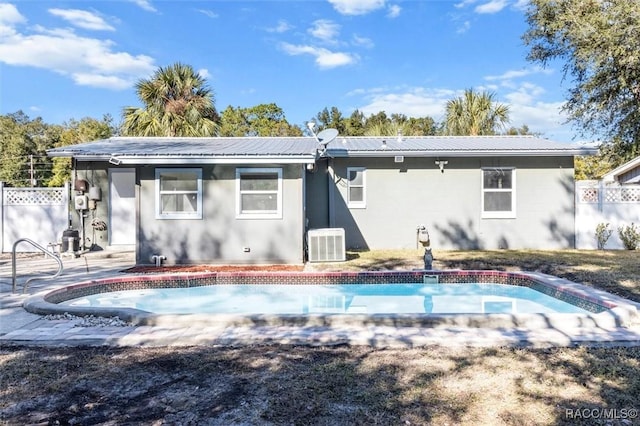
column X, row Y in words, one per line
column 23, row 145
column 331, row 119
column 259, row 120
column 598, row 41
column 523, row 130
column 177, row 102
column 73, row 132
column 354, row 125
column 475, row 114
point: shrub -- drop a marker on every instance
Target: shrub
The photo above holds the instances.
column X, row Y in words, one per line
column 630, row 236
column 602, row 234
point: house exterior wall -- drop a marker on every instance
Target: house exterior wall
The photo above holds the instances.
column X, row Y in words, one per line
column 317, row 198
column 220, row 237
column 402, row 196
column 95, row 237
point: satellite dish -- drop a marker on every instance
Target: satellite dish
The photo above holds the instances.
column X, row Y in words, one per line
column 326, row 136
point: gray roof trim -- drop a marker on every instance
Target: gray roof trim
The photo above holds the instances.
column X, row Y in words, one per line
column 458, row 153
column 613, row 175
column 453, row 146
column 236, row 159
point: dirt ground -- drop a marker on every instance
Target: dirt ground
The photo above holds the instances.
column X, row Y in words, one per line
column 287, row 385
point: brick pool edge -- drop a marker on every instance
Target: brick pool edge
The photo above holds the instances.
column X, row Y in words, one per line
column 607, row 309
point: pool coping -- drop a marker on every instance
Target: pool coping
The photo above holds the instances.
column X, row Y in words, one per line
column 619, row 312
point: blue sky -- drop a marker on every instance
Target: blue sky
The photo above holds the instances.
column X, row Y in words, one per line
column 73, row 59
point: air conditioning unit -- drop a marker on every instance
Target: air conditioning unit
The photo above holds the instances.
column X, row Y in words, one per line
column 326, row 245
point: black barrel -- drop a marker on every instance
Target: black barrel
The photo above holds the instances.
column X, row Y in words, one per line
column 72, row 235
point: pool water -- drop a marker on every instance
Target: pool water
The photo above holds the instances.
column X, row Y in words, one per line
column 334, row 299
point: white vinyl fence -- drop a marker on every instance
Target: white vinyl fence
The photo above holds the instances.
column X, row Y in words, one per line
column 40, row 214
column 617, row 205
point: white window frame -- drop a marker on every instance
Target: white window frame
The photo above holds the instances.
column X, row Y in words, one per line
column 258, row 214
column 357, row 204
column 185, row 215
column 507, row 214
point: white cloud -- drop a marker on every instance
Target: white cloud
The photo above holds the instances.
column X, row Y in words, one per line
column 324, row 58
column 145, row 4
column 464, row 27
column 526, row 106
column 87, row 61
column 394, row 11
column 525, row 94
column 99, row 80
column 493, row 6
column 9, row 17
column 540, row 117
column 82, row 19
column 324, row 30
column 209, row 13
column 328, row 59
column 464, row 4
column 413, row 102
column 511, row 74
column 282, row 27
column 521, row 4
column 356, row 7
column 204, row 73
column 9, row 14
column 363, row 41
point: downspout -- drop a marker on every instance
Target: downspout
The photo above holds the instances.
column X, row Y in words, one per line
column 332, row 190
column 304, row 210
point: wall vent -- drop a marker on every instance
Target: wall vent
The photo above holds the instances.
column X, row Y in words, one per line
column 326, row 245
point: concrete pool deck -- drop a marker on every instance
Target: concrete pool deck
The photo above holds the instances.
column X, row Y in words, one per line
column 19, row 327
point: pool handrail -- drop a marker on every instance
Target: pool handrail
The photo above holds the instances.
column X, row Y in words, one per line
column 42, row 249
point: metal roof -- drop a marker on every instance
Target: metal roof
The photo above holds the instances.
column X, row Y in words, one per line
column 453, row 146
column 149, row 150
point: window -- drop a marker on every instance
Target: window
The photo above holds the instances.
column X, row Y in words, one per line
column 498, row 193
column 259, row 193
column 356, row 187
column 178, row 193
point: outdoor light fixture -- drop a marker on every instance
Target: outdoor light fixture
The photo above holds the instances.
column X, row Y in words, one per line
column 441, row 164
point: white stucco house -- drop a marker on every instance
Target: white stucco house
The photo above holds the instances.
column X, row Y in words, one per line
column 254, row 199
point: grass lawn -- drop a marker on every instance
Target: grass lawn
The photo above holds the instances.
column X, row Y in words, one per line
column 297, row 385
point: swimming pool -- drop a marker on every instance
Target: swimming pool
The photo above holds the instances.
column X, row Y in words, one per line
column 397, row 298
column 405, row 298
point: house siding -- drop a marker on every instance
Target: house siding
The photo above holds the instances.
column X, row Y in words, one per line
column 402, row 196
column 96, row 238
column 220, row 237
column 629, row 176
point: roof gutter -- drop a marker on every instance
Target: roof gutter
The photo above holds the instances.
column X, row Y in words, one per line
column 132, row 160
column 462, row 153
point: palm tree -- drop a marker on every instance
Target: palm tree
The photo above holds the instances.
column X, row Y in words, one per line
column 475, row 114
column 177, row 102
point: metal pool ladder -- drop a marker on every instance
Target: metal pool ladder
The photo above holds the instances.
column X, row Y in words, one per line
column 42, row 249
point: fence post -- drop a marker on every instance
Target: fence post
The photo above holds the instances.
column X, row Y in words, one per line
column 600, row 196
